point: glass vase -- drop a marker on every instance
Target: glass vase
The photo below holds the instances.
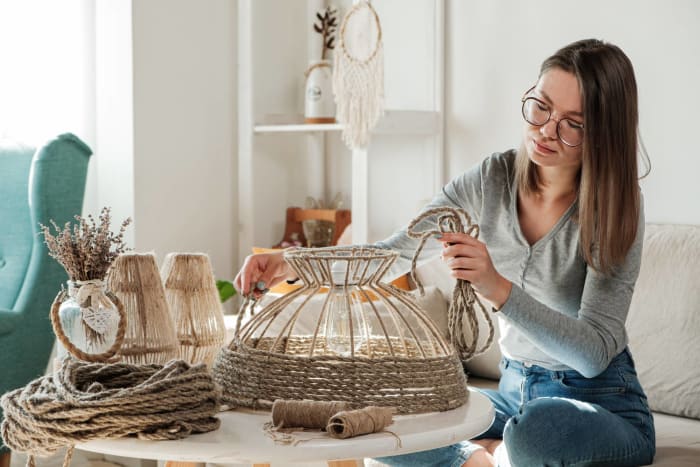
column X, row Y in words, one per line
column 90, row 326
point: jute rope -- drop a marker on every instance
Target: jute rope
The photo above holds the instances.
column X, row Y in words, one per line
column 255, row 377
column 305, row 414
column 106, row 356
column 86, row 401
column 336, row 418
column 464, row 299
column 323, row 64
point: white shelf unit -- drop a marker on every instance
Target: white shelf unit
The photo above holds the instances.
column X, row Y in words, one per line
column 264, row 131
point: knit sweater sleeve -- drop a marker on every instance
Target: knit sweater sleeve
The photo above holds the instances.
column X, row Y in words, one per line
column 589, row 341
column 464, row 191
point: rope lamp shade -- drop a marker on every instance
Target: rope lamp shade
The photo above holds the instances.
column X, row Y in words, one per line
column 150, row 334
column 371, row 343
column 358, row 80
column 190, row 289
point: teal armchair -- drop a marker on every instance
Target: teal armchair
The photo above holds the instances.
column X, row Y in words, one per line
column 35, row 187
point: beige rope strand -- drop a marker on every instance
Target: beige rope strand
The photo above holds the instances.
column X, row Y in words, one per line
column 464, row 298
column 86, row 401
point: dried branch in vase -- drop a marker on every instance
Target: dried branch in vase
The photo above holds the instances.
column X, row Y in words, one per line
column 87, row 250
column 326, row 27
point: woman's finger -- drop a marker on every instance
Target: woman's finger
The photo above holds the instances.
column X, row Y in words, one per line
column 464, row 263
column 465, row 274
column 457, row 237
column 462, row 250
column 249, row 272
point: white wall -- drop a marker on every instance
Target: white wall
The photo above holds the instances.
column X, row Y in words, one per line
column 111, row 179
column 166, row 124
column 184, row 109
column 184, row 128
column 494, row 52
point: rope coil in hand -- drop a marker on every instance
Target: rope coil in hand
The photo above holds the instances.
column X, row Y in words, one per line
column 464, row 300
column 85, row 401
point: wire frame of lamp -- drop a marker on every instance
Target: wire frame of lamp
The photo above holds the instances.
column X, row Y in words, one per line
column 193, row 299
column 150, row 335
column 371, row 343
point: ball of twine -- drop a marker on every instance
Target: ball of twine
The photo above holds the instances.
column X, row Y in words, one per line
column 85, row 401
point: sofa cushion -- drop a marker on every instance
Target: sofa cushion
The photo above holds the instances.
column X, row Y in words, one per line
column 676, row 441
column 664, row 322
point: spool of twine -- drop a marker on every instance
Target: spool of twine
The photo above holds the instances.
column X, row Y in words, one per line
column 150, row 333
column 305, row 414
column 359, row 422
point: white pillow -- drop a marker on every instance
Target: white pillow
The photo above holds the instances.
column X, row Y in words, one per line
column 663, row 322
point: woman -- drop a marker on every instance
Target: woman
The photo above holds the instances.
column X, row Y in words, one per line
column 561, row 230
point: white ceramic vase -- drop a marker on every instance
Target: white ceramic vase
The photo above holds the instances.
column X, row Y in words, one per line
column 319, row 104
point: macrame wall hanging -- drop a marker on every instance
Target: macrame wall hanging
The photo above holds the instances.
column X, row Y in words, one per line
column 358, row 81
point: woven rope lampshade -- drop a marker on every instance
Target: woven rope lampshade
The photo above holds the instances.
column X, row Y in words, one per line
column 190, row 289
column 150, row 335
column 370, row 345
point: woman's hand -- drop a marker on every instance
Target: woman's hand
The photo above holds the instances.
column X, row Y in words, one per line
column 260, row 272
column 469, row 259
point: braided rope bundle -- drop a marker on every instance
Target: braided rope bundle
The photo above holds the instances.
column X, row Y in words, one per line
column 85, row 401
column 464, row 299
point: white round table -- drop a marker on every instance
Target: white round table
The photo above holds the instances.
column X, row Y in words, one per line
column 241, row 439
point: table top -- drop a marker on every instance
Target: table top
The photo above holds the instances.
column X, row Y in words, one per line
column 241, row 438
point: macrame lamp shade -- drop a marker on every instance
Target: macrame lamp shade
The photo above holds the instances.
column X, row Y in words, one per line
column 371, row 344
column 190, row 289
column 150, row 334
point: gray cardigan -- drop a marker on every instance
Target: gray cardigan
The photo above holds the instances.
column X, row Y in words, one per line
column 561, row 314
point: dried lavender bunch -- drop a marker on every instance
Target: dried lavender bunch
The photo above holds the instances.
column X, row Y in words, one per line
column 88, row 249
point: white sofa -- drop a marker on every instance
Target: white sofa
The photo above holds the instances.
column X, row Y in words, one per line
column 664, row 333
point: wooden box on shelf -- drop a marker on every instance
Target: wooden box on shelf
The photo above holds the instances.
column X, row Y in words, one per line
column 293, row 225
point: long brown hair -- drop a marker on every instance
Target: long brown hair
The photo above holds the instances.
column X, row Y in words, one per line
column 608, row 192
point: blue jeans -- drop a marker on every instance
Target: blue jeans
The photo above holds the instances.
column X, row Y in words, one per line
column 560, row 418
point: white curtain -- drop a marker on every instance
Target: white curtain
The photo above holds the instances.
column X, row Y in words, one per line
column 46, row 69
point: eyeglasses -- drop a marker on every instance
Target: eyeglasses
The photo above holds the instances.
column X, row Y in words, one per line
column 538, row 113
